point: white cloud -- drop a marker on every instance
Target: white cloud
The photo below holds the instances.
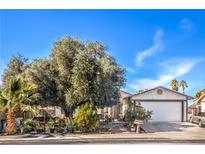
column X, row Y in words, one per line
column 156, row 47
column 173, row 69
column 186, row 24
column 130, row 70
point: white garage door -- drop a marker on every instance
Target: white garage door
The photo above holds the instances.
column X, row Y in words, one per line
column 164, row 111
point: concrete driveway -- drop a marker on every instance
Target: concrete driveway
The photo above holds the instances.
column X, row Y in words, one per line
column 151, row 127
column 175, row 130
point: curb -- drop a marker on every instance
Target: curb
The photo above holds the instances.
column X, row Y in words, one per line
column 100, row 141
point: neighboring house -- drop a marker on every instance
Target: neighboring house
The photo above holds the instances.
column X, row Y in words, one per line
column 117, row 110
column 200, row 104
column 54, row 111
column 192, row 109
column 166, row 104
column 123, row 105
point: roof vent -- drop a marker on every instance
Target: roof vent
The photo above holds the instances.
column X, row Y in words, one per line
column 159, row 91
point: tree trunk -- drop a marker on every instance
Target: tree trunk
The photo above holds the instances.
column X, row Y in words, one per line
column 69, row 115
column 11, row 123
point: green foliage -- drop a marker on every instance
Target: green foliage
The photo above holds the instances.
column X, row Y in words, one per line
column 85, row 72
column 15, row 67
column 50, row 124
column 61, row 123
column 68, row 121
column 175, row 85
column 136, row 112
column 44, row 74
column 75, row 73
column 55, row 123
column 141, row 90
column 199, row 93
column 87, row 118
column 183, row 85
column 95, row 76
column 30, row 124
column 18, row 94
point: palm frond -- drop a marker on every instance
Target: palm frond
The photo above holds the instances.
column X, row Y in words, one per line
column 3, row 101
column 15, row 85
column 30, row 108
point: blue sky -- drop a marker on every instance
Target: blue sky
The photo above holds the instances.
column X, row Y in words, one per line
column 155, row 46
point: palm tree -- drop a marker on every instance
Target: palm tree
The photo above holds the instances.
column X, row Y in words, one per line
column 140, row 91
column 199, row 93
column 175, row 85
column 13, row 98
column 184, row 85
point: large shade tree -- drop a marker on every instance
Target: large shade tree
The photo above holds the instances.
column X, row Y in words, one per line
column 15, row 67
column 42, row 73
column 75, row 73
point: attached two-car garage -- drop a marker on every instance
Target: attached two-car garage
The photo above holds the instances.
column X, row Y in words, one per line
column 167, row 105
column 164, row 110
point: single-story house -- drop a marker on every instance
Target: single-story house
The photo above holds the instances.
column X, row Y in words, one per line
column 167, row 105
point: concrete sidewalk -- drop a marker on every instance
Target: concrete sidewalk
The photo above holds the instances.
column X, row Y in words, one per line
column 117, row 138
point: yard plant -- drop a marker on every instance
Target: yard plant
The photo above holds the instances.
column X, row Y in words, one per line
column 30, row 125
column 15, row 97
column 135, row 112
column 87, row 118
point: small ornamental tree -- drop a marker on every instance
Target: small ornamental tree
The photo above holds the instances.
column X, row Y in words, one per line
column 136, row 112
column 87, row 118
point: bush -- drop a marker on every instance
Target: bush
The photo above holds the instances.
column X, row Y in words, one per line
column 30, row 125
column 87, row 118
column 56, row 125
column 60, row 125
column 50, row 124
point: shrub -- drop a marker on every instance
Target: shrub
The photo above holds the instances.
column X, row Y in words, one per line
column 50, row 124
column 30, row 124
column 87, row 118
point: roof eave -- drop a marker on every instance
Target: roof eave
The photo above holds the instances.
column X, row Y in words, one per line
column 187, row 97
